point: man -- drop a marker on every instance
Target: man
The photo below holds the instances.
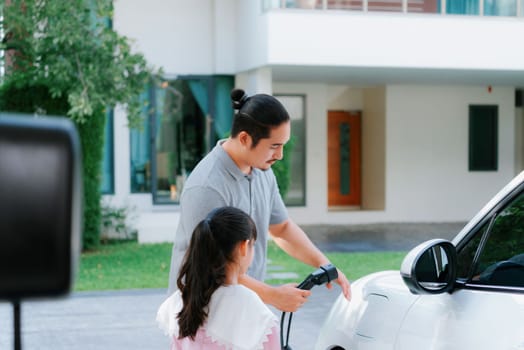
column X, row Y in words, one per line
column 237, row 172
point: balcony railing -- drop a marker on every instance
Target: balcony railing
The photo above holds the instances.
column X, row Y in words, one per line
column 511, row 8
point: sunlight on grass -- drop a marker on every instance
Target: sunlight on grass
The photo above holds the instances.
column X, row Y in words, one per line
column 129, row 265
column 354, row 265
column 126, row 265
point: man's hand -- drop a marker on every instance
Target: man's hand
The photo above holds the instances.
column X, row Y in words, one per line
column 288, row 297
column 344, row 284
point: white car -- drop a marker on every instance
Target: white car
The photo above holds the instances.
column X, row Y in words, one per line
column 463, row 294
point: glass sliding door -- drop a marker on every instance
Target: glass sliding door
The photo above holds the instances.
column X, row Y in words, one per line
column 179, row 134
column 140, row 149
column 190, row 114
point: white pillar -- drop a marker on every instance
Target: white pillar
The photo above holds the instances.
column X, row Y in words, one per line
column 121, row 152
column 519, row 139
column 255, row 81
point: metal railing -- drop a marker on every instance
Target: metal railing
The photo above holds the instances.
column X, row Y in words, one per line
column 510, row 8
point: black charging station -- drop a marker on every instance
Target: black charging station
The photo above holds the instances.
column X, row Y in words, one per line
column 40, row 209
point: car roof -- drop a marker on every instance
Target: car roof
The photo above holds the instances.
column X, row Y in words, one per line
column 503, row 193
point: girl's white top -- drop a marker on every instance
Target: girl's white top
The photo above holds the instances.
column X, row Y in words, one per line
column 237, row 318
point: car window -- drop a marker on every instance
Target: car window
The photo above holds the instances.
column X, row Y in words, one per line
column 501, row 261
column 467, row 253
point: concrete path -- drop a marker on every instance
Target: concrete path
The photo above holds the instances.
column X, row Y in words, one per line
column 378, row 237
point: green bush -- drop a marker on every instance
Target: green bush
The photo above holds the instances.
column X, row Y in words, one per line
column 62, row 58
column 92, row 140
column 28, row 99
column 116, row 223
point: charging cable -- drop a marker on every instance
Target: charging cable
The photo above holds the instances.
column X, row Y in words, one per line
column 324, row 274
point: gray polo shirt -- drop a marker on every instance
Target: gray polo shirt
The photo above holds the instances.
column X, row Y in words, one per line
column 215, row 182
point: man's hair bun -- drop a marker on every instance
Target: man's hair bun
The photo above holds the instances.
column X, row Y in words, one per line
column 238, row 98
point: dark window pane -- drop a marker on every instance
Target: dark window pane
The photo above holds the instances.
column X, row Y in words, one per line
column 467, row 253
column 140, row 149
column 483, row 140
column 501, row 261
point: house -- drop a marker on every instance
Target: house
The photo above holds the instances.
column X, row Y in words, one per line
column 402, row 110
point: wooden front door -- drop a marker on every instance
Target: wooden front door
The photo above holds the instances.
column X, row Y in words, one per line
column 343, row 158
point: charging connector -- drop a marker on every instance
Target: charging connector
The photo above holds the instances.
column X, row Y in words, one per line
column 325, row 274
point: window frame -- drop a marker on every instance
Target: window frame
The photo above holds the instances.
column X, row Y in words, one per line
column 108, row 154
column 304, row 155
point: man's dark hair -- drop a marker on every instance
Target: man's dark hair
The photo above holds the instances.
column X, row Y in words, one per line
column 256, row 115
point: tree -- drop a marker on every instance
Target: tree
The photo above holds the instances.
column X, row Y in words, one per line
column 63, row 58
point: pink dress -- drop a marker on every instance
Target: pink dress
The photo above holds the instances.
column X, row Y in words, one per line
column 203, row 342
column 237, row 320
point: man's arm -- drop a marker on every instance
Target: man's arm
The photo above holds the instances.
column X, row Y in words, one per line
column 294, row 241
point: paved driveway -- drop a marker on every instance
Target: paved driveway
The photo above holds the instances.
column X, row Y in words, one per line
column 125, row 320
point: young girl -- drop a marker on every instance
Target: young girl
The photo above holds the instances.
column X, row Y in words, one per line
column 210, row 310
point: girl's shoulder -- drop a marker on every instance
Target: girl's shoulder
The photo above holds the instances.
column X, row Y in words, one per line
column 237, row 291
column 166, row 316
column 238, row 318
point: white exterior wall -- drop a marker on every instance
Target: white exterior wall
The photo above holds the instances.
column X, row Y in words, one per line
column 427, row 152
column 182, row 37
column 426, row 173
column 347, row 38
column 233, row 36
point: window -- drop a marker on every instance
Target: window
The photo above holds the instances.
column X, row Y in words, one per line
column 108, row 182
column 296, row 155
column 500, row 259
column 182, row 122
column 462, row 7
column 140, row 150
column 500, row 7
column 467, row 253
column 483, row 138
column 181, row 135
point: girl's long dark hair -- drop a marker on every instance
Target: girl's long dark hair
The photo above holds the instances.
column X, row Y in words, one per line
column 203, row 269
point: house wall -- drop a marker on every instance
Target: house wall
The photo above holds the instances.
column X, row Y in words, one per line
column 427, row 151
column 415, row 137
column 183, row 37
column 415, row 155
column 415, row 152
column 233, row 36
column 348, row 38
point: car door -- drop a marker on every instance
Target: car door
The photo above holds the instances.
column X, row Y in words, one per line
column 486, row 308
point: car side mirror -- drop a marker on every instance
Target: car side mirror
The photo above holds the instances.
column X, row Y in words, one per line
column 430, row 268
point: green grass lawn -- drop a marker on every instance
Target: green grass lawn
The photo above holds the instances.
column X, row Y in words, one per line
column 129, row 265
